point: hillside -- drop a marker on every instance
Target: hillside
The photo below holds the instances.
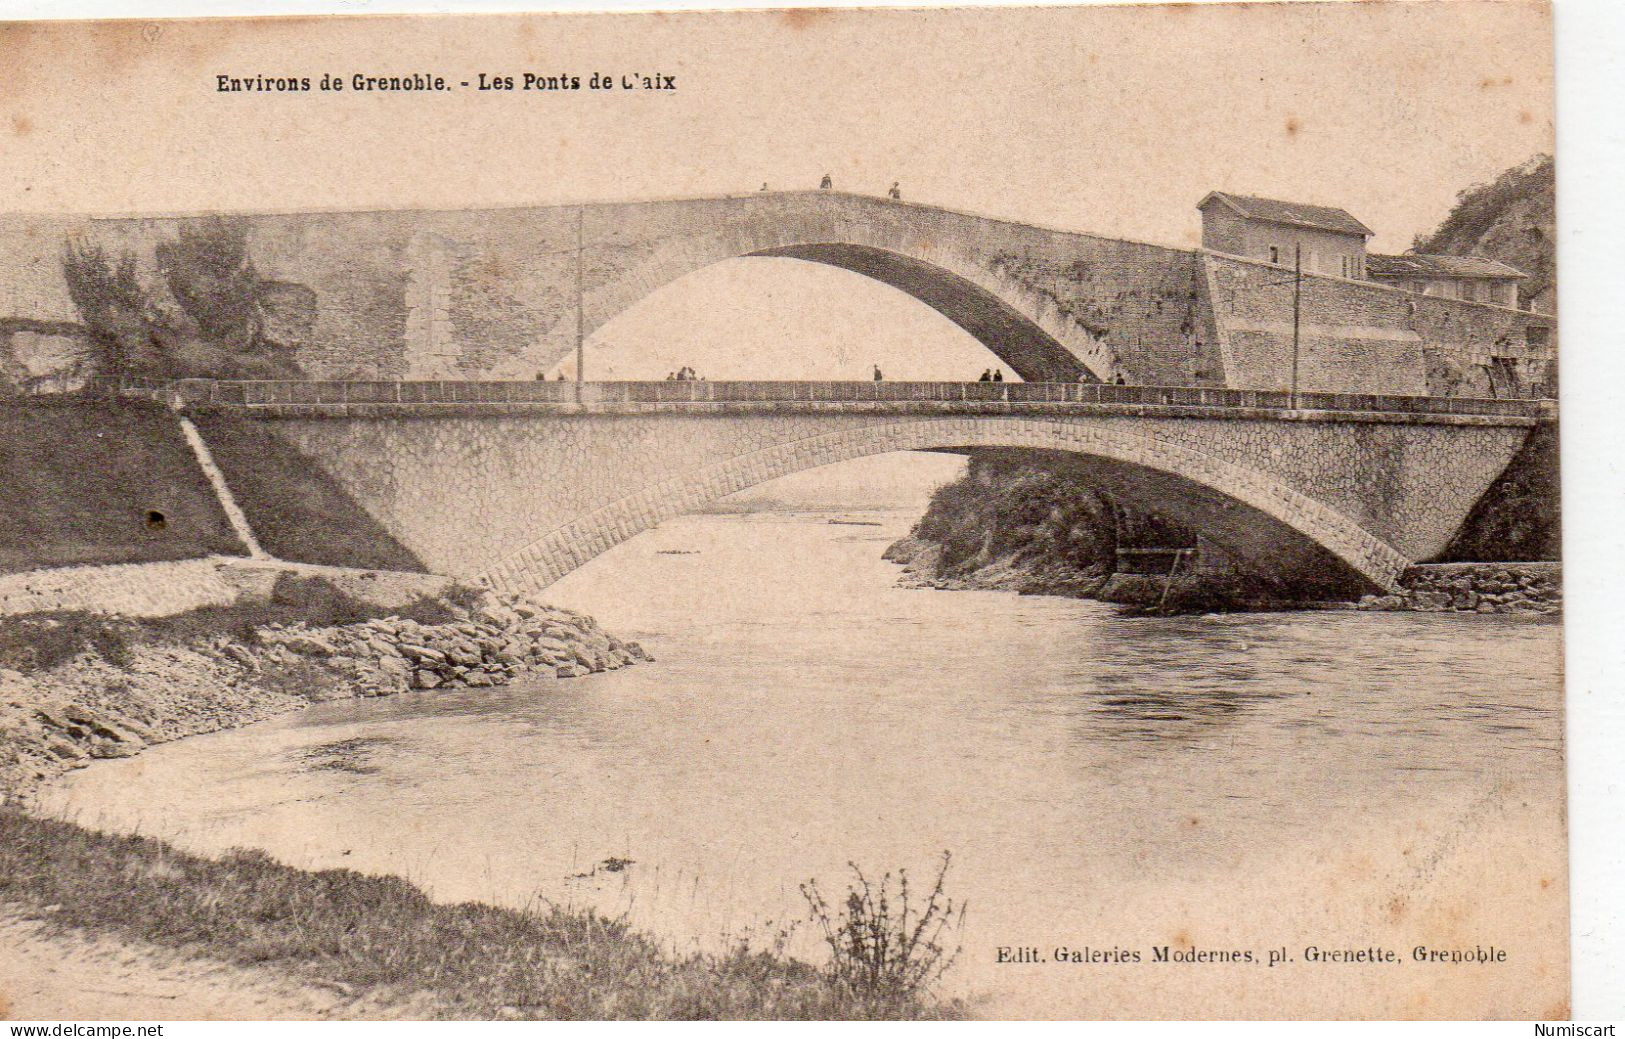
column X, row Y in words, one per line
column 1514, row 220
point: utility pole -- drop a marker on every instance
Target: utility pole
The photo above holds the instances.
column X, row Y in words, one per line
column 581, row 338
column 1297, row 289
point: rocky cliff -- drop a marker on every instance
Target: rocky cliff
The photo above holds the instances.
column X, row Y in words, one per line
column 1512, row 219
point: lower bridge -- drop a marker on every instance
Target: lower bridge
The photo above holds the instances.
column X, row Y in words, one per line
column 516, row 484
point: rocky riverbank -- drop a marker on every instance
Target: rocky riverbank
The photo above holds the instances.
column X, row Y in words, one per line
column 124, row 685
column 1038, row 527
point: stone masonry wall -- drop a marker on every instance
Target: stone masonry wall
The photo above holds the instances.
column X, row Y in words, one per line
column 1476, row 588
column 1362, row 337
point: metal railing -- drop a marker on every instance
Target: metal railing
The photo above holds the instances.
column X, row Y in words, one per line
column 264, row 393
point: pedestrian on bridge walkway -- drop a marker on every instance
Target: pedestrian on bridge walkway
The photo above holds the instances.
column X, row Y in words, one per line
column 878, row 376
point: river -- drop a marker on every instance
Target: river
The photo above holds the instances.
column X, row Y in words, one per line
column 1243, row 782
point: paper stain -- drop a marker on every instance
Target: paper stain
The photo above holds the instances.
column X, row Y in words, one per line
column 799, row 18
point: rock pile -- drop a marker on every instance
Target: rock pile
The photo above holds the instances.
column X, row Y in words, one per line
column 1476, row 588
column 503, row 638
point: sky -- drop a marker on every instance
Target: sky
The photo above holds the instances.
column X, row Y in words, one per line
column 1114, row 120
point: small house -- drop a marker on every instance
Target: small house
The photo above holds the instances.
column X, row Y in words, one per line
column 1324, row 239
column 1472, row 278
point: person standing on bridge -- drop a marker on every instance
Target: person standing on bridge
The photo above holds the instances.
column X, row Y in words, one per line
column 998, row 375
column 1119, row 381
column 878, row 376
column 826, row 183
column 987, row 375
column 895, row 192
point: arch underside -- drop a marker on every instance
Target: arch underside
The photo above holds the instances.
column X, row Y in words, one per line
column 1016, row 339
column 1271, row 530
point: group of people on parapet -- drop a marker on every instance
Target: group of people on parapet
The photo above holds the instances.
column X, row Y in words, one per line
column 685, row 374
column 988, row 375
column 895, row 192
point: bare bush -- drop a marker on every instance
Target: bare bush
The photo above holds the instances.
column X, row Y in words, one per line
column 887, row 946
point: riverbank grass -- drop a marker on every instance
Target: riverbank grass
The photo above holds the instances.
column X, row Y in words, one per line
column 382, row 940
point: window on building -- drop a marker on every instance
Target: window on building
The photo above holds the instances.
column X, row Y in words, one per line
column 1275, row 254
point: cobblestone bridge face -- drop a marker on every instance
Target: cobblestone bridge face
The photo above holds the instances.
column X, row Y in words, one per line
column 519, row 500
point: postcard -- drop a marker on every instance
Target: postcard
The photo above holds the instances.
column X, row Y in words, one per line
column 1003, row 513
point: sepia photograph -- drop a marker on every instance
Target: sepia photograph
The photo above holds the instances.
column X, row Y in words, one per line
column 1031, row 513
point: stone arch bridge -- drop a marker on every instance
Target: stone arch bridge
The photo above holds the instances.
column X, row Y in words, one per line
column 517, row 484
column 482, row 294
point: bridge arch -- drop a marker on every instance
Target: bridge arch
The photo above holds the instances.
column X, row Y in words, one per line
column 1257, row 519
column 1026, row 329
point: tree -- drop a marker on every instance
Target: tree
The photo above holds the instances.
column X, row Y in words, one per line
column 210, row 323
column 210, row 275
column 115, row 309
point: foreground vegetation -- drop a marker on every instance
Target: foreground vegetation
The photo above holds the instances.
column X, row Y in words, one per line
column 382, row 940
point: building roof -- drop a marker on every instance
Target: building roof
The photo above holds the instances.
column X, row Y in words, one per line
column 1297, row 214
column 1432, row 265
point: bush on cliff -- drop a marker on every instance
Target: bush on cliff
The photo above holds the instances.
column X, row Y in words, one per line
column 1009, row 508
column 1512, row 219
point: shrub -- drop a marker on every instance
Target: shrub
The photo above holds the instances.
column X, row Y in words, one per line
column 455, row 604
column 885, row 949
column 319, row 602
column 40, row 641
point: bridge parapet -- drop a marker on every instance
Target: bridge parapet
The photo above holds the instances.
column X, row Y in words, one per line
column 273, row 394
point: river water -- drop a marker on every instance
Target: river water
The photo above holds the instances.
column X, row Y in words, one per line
column 1246, row 782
